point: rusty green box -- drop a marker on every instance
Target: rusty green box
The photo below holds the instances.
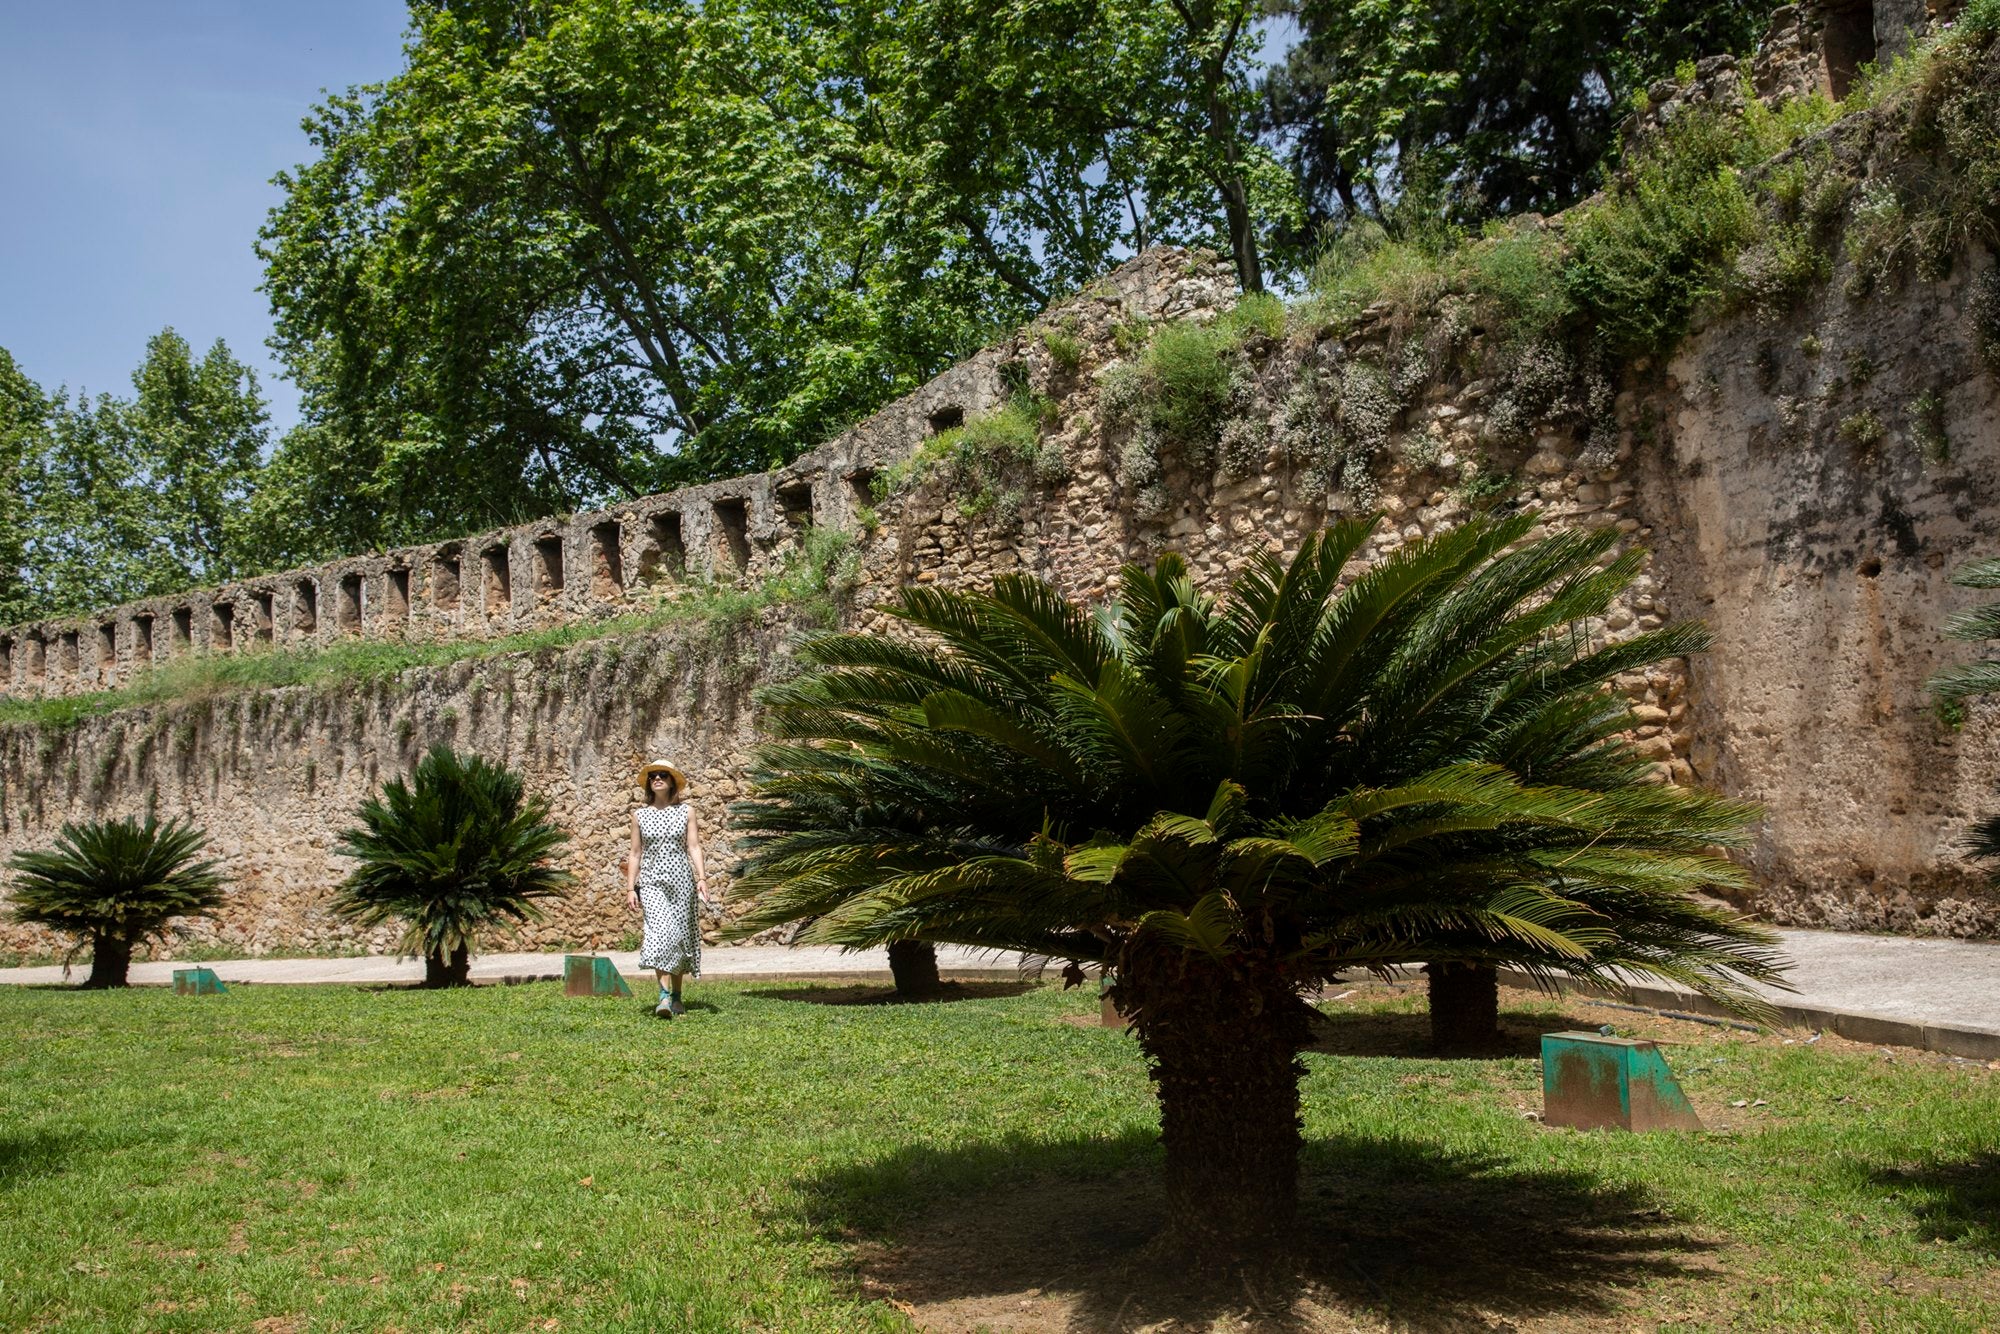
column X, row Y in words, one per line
column 1594, row 1082
column 197, row 982
column 592, row 975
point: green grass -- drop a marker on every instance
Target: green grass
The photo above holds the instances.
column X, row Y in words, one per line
column 505, row 1158
column 810, row 580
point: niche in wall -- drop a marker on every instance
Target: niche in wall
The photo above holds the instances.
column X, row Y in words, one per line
column 732, row 529
column 549, row 563
column 664, row 554
column 445, row 580
column 499, row 581
column 607, row 561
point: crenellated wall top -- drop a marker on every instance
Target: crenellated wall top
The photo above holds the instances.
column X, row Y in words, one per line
column 578, row 567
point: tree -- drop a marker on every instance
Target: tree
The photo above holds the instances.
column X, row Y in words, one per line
column 1228, row 804
column 24, row 415
column 561, row 238
column 590, row 251
column 1475, row 108
column 1956, row 684
column 125, row 499
column 113, row 884
column 455, row 851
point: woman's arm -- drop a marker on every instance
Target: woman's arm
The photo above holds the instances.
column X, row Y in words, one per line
column 632, row 867
column 694, row 859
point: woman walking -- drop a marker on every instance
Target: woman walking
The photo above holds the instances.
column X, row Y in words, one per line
column 663, row 877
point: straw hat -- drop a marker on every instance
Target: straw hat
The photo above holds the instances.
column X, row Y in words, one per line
column 658, row 767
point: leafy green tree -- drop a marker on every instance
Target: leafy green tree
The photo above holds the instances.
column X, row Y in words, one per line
column 24, row 418
column 1473, row 109
column 128, row 498
column 455, row 851
column 1228, row 804
column 113, row 884
column 563, row 237
column 576, row 252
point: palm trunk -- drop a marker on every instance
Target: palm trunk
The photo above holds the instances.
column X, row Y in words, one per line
column 1465, row 1005
column 1223, row 1042
column 455, row 971
column 110, row 963
column 913, row 963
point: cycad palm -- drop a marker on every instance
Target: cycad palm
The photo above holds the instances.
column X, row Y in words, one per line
column 1958, row 683
column 1228, row 804
column 455, row 851
column 113, row 883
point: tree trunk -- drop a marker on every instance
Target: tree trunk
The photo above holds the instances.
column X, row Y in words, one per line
column 1465, row 1005
column 453, row 972
column 110, row 963
column 913, row 963
column 1222, row 1041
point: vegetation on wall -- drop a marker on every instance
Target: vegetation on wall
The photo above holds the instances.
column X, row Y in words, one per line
column 979, row 462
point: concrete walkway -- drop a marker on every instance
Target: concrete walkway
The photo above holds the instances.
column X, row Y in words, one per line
column 1939, row 995
column 733, row 961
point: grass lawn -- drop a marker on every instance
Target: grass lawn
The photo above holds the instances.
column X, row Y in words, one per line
column 287, row 1158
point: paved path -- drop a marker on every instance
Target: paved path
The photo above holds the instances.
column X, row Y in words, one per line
column 1943, row 995
column 717, row 961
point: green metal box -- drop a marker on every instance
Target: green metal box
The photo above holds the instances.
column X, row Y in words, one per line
column 592, row 975
column 197, row 982
column 1594, row 1082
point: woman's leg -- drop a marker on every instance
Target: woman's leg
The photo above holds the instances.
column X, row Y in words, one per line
column 675, row 978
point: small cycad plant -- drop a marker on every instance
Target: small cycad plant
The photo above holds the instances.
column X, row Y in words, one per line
column 1960, row 682
column 458, row 849
column 113, row 884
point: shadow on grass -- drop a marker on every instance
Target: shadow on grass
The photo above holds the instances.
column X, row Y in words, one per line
column 1432, row 1239
column 1956, row 1201
column 869, row 994
column 34, row 1154
column 1340, row 1032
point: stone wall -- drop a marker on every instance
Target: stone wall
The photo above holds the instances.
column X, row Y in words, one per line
column 1818, row 478
column 1807, row 484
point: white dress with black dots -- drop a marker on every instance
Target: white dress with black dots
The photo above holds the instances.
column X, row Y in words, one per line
column 666, row 892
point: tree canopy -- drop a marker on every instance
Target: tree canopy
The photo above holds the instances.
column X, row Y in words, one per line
column 582, row 250
column 110, row 499
column 1474, row 109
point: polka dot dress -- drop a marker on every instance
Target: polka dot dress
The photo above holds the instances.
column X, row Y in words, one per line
column 666, row 892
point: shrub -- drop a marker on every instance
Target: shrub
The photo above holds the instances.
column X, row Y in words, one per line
column 456, row 850
column 1863, row 429
column 113, row 884
column 1659, row 243
column 1515, row 276
column 975, row 458
column 1927, row 427
column 1191, row 379
column 1065, row 348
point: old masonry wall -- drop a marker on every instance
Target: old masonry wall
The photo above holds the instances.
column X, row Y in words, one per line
column 1823, row 569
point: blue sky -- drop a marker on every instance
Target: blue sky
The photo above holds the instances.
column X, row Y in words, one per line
column 137, row 144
